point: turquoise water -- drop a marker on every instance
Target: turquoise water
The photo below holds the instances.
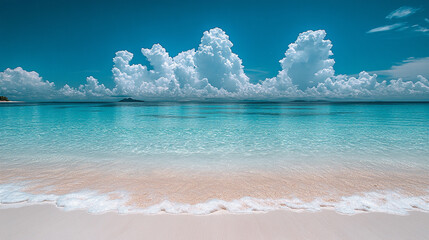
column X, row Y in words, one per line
column 218, row 134
column 215, row 137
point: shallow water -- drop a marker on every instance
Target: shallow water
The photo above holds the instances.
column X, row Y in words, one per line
column 207, row 157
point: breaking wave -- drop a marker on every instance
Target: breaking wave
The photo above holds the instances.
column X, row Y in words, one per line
column 13, row 195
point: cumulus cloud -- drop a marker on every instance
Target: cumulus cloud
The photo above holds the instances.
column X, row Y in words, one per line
column 214, row 71
column 20, row 84
column 386, row 28
column 23, row 85
column 402, row 12
column 366, row 86
column 92, row 89
column 215, row 61
column 307, row 61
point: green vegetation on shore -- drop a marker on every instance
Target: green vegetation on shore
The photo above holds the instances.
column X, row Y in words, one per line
column 3, row 98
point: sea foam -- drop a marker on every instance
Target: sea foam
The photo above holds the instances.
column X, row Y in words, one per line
column 92, row 201
column 13, row 195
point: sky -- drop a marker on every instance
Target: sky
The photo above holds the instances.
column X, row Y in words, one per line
column 73, row 43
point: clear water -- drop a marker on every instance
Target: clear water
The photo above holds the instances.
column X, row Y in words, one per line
column 215, row 137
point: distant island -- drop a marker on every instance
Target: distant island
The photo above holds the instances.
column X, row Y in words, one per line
column 4, row 99
column 130, row 100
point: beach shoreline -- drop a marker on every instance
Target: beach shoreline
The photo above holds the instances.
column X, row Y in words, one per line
column 101, row 190
column 49, row 222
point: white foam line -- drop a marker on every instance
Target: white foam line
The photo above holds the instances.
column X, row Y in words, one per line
column 12, row 195
column 92, row 201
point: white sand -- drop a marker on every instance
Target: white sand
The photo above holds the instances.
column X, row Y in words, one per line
column 48, row 222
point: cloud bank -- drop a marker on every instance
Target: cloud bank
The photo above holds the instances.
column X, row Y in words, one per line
column 213, row 71
column 407, row 69
column 18, row 83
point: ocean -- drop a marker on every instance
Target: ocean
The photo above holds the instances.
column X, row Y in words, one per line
column 200, row 158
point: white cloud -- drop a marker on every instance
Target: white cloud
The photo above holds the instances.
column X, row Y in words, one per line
column 386, row 28
column 20, row 84
column 418, row 28
column 402, row 12
column 403, row 28
column 137, row 80
column 307, row 61
column 408, row 69
column 215, row 61
column 366, row 86
column 214, row 71
column 92, row 89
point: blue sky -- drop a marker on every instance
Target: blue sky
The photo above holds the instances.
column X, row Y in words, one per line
column 67, row 41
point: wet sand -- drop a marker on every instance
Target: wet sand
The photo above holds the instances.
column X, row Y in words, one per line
column 147, row 188
column 48, row 222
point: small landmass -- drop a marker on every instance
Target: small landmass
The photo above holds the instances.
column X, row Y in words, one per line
column 4, row 99
column 130, row 100
column 308, row 101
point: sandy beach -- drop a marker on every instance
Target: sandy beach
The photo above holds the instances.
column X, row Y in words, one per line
column 48, row 222
column 147, row 188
